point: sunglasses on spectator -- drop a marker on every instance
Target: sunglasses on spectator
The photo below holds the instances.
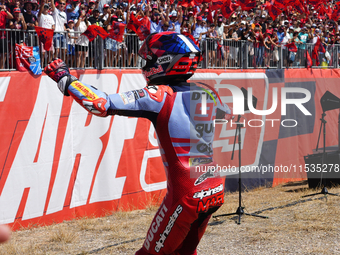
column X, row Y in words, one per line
column 62, row 3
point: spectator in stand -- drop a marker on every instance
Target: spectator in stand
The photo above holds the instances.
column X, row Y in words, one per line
column 111, row 44
column 92, row 5
column 45, row 20
column 304, row 37
column 31, row 21
column 286, row 39
column 163, row 6
column 269, row 47
column 82, row 42
column 4, row 16
column 95, row 19
column 72, row 10
column 59, row 37
column 71, row 37
column 197, row 27
column 176, row 19
column 131, row 40
column 101, row 4
column 121, row 14
column 212, row 45
column 106, row 12
column 186, row 28
column 18, row 22
column 259, row 46
column 157, row 19
column 13, row 4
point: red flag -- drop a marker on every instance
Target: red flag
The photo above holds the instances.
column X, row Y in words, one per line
column 322, row 11
column 216, row 5
column 313, row 2
column 22, row 54
column 45, row 36
column 144, row 29
column 291, row 47
column 329, row 12
column 309, row 60
column 249, row 6
column 280, row 4
column 227, row 11
column 317, row 48
column 117, row 31
column 336, row 13
column 133, row 23
column 273, row 11
column 299, row 7
column 93, row 30
column 186, row 3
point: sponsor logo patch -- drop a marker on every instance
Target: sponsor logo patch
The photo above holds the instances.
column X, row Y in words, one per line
column 154, row 226
column 141, row 93
column 166, row 232
column 206, row 193
column 199, row 161
column 164, row 59
column 209, row 202
column 128, row 97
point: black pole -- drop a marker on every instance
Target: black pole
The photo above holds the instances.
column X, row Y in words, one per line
column 239, row 210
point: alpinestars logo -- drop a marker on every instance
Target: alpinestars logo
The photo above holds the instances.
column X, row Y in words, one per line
column 209, row 192
column 166, row 232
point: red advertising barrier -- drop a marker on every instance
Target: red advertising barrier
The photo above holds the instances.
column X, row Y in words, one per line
column 59, row 163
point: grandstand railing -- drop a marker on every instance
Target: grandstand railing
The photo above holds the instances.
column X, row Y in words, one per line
column 217, row 54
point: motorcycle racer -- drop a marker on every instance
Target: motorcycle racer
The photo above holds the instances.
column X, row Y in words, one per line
column 185, row 133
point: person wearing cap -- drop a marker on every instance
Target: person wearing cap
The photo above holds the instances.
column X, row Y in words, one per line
column 96, row 19
column 45, row 20
column 175, row 22
column 101, row 4
column 59, row 37
column 31, row 21
column 71, row 37
column 157, row 19
column 198, row 27
column 186, row 28
column 18, row 23
column 82, row 43
column 304, row 36
column 72, row 10
column 93, row 4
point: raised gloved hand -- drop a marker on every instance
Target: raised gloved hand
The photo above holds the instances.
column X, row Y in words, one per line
column 56, row 70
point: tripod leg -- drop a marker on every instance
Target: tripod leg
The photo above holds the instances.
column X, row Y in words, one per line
column 256, row 215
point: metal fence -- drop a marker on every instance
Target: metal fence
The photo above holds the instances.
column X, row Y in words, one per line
column 110, row 54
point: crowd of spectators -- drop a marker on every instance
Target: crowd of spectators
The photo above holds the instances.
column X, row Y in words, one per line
column 221, row 39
